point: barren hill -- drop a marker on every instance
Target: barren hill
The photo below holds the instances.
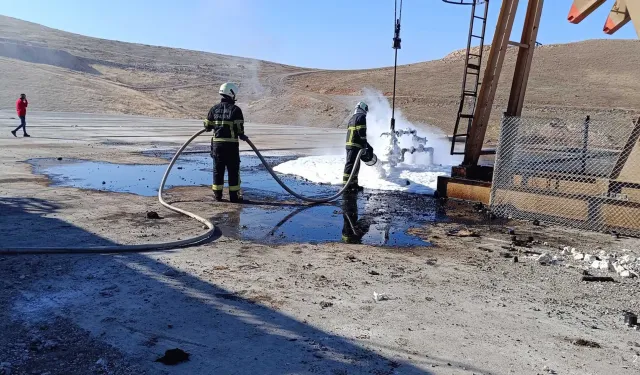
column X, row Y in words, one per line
column 61, row 71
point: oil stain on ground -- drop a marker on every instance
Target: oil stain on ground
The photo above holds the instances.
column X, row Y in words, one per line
column 373, row 218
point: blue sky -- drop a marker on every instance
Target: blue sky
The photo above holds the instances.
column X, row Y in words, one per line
column 333, row 34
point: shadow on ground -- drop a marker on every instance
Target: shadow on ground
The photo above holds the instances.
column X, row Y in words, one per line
column 144, row 307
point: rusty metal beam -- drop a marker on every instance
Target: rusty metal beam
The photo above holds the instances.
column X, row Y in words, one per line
column 473, row 146
column 525, row 57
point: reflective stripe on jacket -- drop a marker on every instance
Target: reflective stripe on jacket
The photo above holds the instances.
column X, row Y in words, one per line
column 226, row 120
column 357, row 130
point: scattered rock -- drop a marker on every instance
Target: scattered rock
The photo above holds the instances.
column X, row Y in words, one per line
column 462, row 232
column 374, row 273
column 173, row 357
column 545, row 258
column 598, row 278
column 50, row 345
column 595, row 264
column 627, row 274
column 606, row 265
column 153, row 215
column 170, row 273
column 506, row 255
column 179, row 167
column 59, row 158
column 586, row 343
column 630, row 319
column 589, row 258
column 325, row 304
column 618, row 267
column 536, row 222
column 379, row 297
column 626, row 259
column 351, row 258
column 110, row 291
column 578, row 256
column 102, row 363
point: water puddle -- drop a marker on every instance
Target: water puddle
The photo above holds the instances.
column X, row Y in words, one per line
column 373, row 218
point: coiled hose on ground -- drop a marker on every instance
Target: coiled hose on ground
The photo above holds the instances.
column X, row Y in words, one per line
column 179, row 243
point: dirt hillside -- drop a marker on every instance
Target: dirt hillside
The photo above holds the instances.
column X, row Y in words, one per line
column 62, row 71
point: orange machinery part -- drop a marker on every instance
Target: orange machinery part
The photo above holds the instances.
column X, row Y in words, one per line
column 583, row 8
column 618, row 17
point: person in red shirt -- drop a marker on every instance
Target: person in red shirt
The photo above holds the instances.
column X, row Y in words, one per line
column 21, row 109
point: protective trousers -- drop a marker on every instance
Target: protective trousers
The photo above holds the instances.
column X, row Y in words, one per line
column 226, row 155
column 352, row 157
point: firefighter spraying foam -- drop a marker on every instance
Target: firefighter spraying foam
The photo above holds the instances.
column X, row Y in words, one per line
column 226, row 121
column 357, row 141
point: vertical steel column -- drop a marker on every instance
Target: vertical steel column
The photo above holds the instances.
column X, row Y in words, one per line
column 473, row 147
column 525, row 57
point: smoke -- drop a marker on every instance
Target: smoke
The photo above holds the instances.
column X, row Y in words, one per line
column 252, row 78
column 379, row 121
column 246, row 73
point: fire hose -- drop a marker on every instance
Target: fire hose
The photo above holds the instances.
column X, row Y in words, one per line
column 183, row 242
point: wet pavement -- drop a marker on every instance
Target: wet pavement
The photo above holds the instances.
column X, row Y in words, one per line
column 373, row 218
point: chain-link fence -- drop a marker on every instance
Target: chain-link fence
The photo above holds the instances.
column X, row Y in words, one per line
column 582, row 173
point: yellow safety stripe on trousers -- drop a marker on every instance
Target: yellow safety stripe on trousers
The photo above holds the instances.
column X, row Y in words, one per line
column 217, row 187
column 354, row 144
column 214, row 139
column 236, row 187
column 358, row 127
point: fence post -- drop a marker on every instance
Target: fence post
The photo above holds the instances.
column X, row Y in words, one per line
column 585, row 144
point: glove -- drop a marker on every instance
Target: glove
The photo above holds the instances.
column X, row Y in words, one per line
column 243, row 137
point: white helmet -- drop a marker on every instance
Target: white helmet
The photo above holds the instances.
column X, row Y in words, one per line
column 363, row 106
column 229, row 89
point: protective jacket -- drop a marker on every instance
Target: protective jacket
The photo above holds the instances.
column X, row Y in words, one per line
column 226, row 121
column 357, row 130
column 21, row 107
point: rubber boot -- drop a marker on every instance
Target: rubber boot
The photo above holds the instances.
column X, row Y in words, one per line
column 234, row 197
column 217, row 195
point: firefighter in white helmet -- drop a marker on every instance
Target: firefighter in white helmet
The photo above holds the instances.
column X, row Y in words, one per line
column 226, row 121
column 356, row 141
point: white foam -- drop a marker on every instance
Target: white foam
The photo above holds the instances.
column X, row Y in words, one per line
column 415, row 175
column 329, row 170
